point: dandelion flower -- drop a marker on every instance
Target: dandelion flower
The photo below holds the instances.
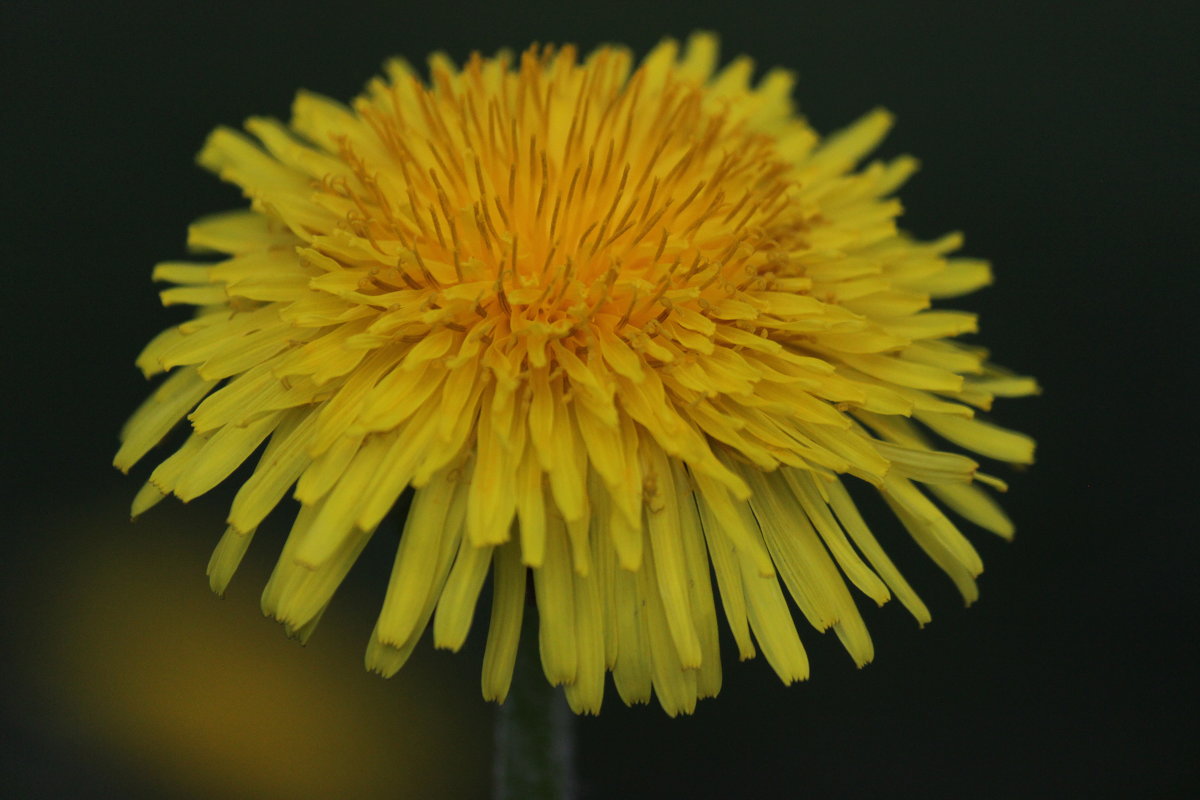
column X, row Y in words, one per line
column 613, row 328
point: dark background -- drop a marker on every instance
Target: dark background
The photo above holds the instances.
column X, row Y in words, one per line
column 1061, row 137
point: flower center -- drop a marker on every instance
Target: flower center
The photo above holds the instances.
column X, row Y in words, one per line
column 557, row 199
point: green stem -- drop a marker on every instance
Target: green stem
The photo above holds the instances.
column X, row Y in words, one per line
column 535, row 737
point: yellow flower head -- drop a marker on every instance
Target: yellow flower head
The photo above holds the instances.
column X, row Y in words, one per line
column 612, row 326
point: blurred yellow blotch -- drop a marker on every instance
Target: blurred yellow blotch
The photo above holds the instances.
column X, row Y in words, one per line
column 135, row 659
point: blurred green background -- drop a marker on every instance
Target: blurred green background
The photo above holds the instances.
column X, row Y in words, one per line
column 1060, row 136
